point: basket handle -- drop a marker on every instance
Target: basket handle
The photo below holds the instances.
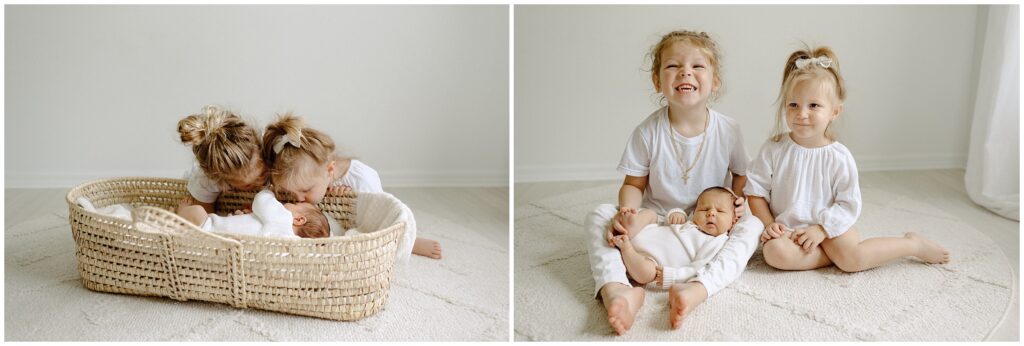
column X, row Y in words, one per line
column 166, row 226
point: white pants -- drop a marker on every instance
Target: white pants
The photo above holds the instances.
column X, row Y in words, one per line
column 606, row 261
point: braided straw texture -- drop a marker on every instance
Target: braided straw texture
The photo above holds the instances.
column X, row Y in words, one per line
column 162, row 254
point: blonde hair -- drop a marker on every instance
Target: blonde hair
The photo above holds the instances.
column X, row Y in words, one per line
column 222, row 142
column 792, row 75
column 296, row 143
column 701, row 40
column 316, row 225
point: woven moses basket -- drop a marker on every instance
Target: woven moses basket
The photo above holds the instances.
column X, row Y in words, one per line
column 161, row 254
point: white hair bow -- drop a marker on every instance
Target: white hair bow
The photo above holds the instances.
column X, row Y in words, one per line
column 285, row 139
column 822, row 61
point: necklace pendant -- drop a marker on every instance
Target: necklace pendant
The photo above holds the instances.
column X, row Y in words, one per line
column 686, row 177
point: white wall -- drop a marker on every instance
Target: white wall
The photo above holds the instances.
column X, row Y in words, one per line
column 418, row 92
column 581, row 88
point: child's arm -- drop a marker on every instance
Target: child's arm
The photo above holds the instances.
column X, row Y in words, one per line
column 190, row 200
column 738, row 182
column 639, row 267
column 738, row 166
column 193, row 213
column 267, row 208
column 208, row 207
column 759, row 207
column 631, row 193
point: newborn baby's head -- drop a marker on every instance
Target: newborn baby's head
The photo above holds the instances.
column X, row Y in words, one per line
column 715, row 212
column 308, row 221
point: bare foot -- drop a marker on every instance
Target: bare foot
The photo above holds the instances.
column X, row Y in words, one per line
column 427, row 248
column 632, row 222
column 928, row 250
column 682, row 298
column 678, row 307
column 623, row 303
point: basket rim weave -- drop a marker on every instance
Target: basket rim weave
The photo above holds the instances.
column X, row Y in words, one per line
column 157, row 253
column 78, row 191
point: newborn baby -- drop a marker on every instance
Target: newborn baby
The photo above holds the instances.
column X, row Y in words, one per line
column 648, row 247
column 269, row 217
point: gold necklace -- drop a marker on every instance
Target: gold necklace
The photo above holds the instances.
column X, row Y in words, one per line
column 700, row 149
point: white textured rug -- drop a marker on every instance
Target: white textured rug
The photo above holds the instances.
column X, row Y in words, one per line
column 905, row 300
column 462, row 297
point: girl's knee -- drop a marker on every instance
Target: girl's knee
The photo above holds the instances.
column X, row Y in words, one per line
column 779, row 253
column 849, row 264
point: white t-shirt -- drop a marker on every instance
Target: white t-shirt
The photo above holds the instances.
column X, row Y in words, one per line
column 269, row 217
column 807, row 186
column 361, row 178
column 201, row 187
column 683, row 247
column 649, row 153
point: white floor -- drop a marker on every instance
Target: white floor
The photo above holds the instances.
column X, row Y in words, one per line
column 487, row 211
column 943, row 189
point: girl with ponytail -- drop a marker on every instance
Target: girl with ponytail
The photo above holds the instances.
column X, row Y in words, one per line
column 303, row 163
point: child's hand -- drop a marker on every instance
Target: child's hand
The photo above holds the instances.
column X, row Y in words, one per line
column 185, row 202
column 242, row 212
column 618, row 225
column 676, row 218
column 740, row 208
column 622, row 242
column 338, row 190
column 774, row 230
column 808, row 237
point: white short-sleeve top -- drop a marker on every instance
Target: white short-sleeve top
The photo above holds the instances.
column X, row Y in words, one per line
column 649, row 152
column 201, row 186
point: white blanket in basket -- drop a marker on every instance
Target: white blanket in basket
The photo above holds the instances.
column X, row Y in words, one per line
column 120, row 211
column 379, row 210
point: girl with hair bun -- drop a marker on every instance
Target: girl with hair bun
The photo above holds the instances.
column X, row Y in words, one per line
column 227, row 155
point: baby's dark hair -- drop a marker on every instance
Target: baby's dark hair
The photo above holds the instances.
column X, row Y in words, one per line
column 316, row 225
column 717, row 190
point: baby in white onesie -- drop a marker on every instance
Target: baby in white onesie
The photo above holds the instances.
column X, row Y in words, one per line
column 269, row 217
column 648, row 246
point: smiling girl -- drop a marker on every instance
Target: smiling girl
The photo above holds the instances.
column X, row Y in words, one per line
column 804, row 184
column 673, row 155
